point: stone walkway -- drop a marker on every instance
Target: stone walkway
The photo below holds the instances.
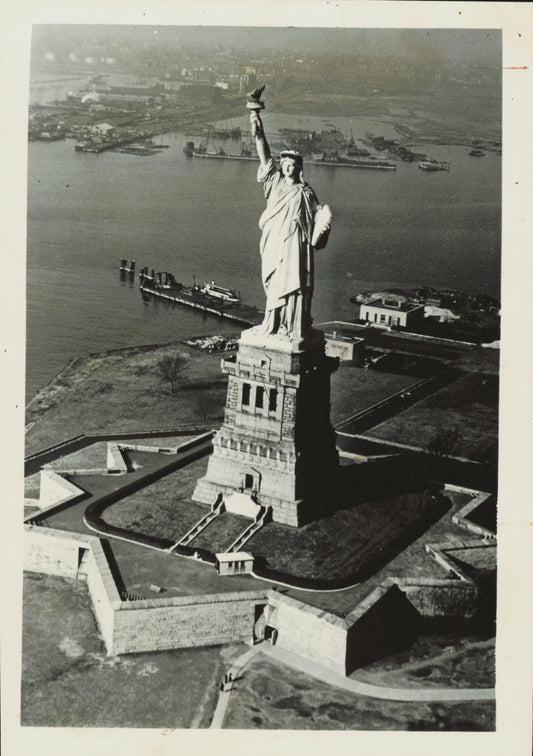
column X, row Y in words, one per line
column 433, row 695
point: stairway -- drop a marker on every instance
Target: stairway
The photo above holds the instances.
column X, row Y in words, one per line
column 197, row 528
column 260, row 520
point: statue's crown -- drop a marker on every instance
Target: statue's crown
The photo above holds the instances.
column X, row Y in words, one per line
column 292, row 155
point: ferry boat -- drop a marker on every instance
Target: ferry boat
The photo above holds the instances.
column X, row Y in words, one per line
column 219, row 292
column 433, row 165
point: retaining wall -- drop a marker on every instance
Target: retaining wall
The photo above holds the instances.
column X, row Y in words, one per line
column 146, row 625
column 308, row 631
column 34, row 461
column 104, row 593
column 382, row 624
column 385, row 621
column 433, row 599
column 53, row 552
column 185, row 622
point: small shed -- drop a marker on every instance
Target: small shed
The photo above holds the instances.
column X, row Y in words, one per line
column 347, row 348
column 234, row 563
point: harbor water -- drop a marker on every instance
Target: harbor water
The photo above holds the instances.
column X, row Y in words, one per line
column 197, row 218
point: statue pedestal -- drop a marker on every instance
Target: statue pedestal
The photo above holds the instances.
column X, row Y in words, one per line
column 276, row 441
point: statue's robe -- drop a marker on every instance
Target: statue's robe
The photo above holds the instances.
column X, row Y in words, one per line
column 285, row 246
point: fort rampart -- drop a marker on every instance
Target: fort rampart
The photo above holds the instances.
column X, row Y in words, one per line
column 383, row 622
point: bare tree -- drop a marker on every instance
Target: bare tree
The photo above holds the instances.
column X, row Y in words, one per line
column 170, row 367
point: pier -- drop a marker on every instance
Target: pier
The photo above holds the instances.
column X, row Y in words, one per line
column 239, row 313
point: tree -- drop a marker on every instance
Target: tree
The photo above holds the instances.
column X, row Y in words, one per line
column 170, row 367
column 445, row 440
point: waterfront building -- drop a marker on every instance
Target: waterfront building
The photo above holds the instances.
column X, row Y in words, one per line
column 389, row 312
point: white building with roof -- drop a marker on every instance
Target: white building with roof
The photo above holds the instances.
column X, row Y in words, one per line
column 389, row 312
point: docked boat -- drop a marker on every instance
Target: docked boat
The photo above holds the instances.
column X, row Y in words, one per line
column 210, row 297
column 340, row 162
column 218, row 152
column 219, row 292
column 433, row 165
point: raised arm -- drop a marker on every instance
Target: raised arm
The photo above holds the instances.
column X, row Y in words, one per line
column 263, row 150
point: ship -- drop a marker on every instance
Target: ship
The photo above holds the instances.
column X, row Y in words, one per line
column 340, row 162
column 218, row 152
column 477, row 153
column 218, row 292
column 314, row 159
column 433, row 165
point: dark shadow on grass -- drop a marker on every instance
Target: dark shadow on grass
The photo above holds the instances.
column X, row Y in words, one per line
column 202, row 385
column 360, row 485
column 376, row 480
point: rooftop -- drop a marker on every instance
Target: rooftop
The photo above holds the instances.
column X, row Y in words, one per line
column 387, row 304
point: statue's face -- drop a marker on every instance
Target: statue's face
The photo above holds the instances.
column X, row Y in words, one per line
column 290, row 168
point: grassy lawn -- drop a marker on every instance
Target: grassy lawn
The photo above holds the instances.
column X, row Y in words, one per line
column 162, row 519
column 437, row 661
column 123, row 391
column 98, row 394
column 68, row 681
column 460, row 419
column 345, row 542
column 91, row 458
column 271, row 696
column 220, row 534
column 32, row 486
column 164, row 508
column 412, row 561
column 368, row 525
column 353, row 389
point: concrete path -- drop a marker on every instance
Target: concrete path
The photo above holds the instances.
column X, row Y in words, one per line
column 376, row 691
column 235, row 670
column 429, row 695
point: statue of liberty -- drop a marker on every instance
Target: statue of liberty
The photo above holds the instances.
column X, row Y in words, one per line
column 292, row 225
